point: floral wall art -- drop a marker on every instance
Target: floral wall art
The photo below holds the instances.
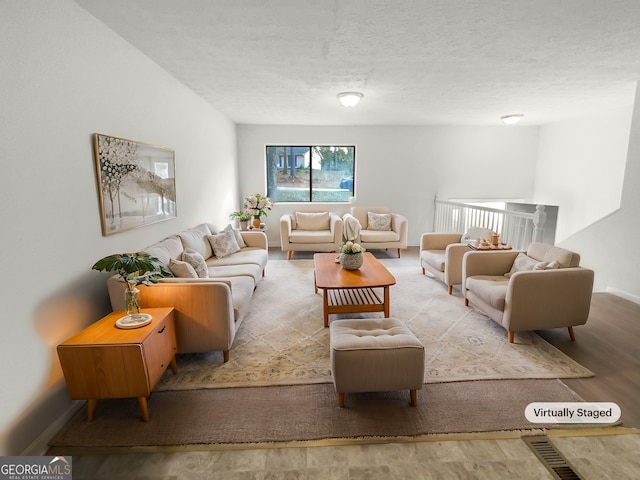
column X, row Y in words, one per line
column 136, row 183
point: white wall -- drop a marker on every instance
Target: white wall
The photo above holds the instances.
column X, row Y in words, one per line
column 405, row 167
column 581, row 167
column 64, row 77
column 609, row 245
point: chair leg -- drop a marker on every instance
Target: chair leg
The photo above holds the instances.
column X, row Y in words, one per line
column 571, row 334
column 466, row 302
column 341, row 400
column 398, row 253
column 511, row 336
column 450, row 289
column 289, row 252
column 414, row 398
column 225, row 356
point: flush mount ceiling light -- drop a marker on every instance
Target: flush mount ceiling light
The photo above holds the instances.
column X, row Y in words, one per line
column 511, row 119
column 349, row 99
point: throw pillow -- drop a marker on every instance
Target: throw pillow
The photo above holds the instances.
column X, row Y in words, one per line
column 223, row 244
column 236, row 233
column 522, row 263
column 313, row 221
column 182, row 269
column 196, row 260
column 378, row 221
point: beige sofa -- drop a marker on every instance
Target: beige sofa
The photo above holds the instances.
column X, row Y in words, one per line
column 539, row 289
column 441, row 254
column 310, row 232
column 210, row 309
column 380, row 238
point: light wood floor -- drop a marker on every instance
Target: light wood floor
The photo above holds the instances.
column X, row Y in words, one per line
column 608, row 345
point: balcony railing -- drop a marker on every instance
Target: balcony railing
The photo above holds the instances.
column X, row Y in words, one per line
column 515, row 228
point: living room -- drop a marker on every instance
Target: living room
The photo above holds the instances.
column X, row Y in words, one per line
column 67, row 75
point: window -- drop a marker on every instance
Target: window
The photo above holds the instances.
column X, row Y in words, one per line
column 310, row 173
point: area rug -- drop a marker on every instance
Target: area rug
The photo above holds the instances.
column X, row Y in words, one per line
column 282, row 340
column 308, row 412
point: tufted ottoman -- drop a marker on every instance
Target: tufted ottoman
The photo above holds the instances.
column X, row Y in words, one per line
column 373, row 355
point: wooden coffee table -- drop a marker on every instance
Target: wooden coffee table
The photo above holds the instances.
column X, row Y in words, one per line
column 351, row 291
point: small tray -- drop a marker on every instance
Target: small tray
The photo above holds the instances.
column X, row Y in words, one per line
column 134, row 321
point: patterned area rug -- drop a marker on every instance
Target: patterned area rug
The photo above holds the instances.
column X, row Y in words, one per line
column 282, row 340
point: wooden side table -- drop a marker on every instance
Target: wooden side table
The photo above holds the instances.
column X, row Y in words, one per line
column 104, row 361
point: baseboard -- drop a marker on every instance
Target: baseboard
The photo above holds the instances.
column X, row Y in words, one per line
column 623, row 294
column 40, row 445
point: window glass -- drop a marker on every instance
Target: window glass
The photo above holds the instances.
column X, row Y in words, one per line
column 310, row 173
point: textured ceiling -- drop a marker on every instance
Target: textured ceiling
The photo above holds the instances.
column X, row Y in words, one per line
column 417, row 62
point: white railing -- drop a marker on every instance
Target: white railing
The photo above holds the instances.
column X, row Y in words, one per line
column 515, row 228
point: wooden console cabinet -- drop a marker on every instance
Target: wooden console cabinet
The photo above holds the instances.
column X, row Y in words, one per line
column 104, row 361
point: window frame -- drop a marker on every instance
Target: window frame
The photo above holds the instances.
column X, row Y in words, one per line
column 310, row 193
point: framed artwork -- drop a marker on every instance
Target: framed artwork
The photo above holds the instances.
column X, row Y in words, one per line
column 136, row 183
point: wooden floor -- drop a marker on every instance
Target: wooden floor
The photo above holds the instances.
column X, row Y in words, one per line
column 608, row 344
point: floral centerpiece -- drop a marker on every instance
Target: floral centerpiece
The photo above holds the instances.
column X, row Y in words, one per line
column 134, row 269
column 351, row 257
column 257, row 205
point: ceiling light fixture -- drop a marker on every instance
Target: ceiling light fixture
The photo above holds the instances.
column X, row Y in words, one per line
column 349, row 99
column 511, row 119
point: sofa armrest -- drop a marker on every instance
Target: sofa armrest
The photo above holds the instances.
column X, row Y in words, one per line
column 203, row 308
column 438, row 241
column 540, row 299
column 454, row 254
column 400, row 225
column 336, row 224
column 255, row 239
column 285, row 231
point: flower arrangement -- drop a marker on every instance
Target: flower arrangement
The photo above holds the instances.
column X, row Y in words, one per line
column 351, row 247
column 257, row 205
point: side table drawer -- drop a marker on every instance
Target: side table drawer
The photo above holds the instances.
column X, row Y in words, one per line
column 159, row 349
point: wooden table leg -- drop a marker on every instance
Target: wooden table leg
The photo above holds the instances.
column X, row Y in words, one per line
column 325, row 306
column 91, row 408
column 142, row 401
column 386, row 302
column 174, row 365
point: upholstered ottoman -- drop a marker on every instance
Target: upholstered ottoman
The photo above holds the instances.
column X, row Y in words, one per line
column 374, row 355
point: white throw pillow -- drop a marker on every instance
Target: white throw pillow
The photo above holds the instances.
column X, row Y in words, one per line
column 523, row 263
column 313, row 221
column 236, row 233
column 196, row 260
column 223, row 244
column 182, row 269
column 378, row 221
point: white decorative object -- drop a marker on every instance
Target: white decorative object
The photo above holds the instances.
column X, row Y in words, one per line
column 134, row 321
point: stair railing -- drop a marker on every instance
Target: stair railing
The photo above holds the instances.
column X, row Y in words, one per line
column 515, row 228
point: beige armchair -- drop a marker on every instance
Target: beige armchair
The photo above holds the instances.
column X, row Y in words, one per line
column 540, row 289
column 441, row 254
column 376, row 235
column 310, row 232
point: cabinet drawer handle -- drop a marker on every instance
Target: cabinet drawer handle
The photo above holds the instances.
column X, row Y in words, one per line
column 163, row 327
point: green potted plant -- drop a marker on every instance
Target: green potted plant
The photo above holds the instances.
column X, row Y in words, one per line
column 134, row 269
column 243, row 217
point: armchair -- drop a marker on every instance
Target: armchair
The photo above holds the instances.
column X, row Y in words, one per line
column 374, row 236
column 544, row 288
column 441, row 254
column 310, row 232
